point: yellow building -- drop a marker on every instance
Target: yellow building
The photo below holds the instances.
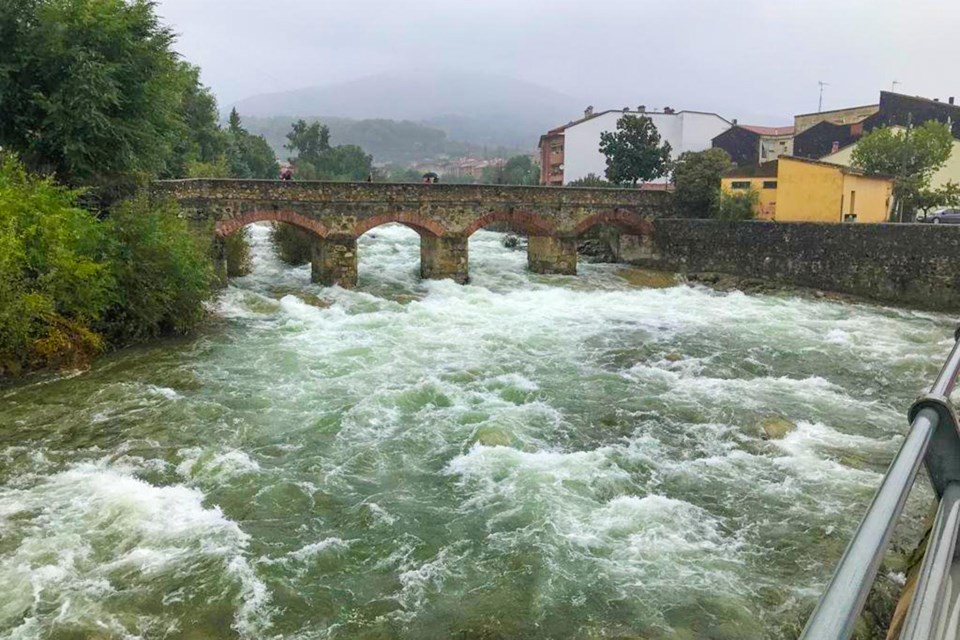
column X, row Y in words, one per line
column 800, row 190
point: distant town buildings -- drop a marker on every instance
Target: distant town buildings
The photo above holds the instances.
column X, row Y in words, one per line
column 572, row 151
column 459, row 167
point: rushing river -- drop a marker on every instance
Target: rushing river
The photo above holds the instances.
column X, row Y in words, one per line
column 524, row 457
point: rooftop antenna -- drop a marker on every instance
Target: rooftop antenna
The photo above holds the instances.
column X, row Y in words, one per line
column 822, row 85
column 893, row 86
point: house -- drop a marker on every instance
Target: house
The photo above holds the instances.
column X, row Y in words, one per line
column 817, row 137
column 572, row 151
column 949, row 172
column 795, row 189
column 551, row 157
column 749, row 144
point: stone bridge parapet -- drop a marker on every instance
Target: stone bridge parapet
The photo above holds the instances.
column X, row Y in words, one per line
column 445, row 215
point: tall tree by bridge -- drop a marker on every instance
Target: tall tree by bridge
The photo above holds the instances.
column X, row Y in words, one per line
column 316, row 159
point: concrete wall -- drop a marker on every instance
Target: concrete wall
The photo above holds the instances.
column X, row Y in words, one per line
column 685, row 131
column 904, row 264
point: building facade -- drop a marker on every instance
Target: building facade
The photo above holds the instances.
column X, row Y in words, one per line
column 801, row 190
column 551, row 157
column 751, row 144
column 572, row 151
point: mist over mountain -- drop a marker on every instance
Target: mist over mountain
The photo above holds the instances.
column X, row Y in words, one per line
column 477, row 108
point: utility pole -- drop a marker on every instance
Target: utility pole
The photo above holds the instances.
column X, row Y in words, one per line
column 822, row 85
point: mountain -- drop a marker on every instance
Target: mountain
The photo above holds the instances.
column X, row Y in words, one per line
column 470, row 107
column 388, row 141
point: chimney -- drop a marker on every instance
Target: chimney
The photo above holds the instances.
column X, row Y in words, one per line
column 588, row 111
column 625, row 109
column 642, row 108
column 835, row 147
column 936, row 99
column 734, row 122
column 950, row 99
column 667, row 110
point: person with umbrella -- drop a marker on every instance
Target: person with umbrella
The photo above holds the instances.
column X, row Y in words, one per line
column 430, row 178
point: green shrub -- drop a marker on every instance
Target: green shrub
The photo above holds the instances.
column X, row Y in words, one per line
column 162, row 271
column 237, row 250
column 740, row 205
column 292, row 244
column 53, row 282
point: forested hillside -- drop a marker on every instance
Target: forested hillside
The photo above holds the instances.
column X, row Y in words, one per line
column 389, row 141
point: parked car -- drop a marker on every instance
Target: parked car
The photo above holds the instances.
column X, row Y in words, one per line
column 944, row 216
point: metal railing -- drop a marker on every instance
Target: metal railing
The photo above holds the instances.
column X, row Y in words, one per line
column 933, row 439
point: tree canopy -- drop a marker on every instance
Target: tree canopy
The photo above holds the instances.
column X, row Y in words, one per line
column 696, row 176
column 634, row 151
column 317, row 160
column 911, row 156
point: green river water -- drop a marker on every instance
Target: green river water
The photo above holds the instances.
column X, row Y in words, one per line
column 523, row 457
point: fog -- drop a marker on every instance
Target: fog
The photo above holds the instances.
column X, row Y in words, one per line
column 754, row 59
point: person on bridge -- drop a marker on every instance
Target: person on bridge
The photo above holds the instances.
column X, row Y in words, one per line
column 286, row 174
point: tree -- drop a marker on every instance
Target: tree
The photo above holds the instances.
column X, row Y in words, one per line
column 696, row 176
column 911, row 156
column 520, row 170
column 590, row 180
column 233, row 122
column 248, row 156
column 740, row 205
column 309, row 141
column 634, row 152
column 91, row 91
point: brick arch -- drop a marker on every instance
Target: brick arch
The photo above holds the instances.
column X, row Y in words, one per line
column 623, row 219
column 225, row 227
column 529, row 222
column 423, row 226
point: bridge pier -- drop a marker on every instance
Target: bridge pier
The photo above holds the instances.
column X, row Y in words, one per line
column 334, row 262
column 444, row 258
column 218, row 253
column 547, row 254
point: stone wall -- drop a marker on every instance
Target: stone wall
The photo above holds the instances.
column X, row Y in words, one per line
column 913, row 265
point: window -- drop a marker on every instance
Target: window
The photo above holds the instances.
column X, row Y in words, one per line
column 769, row 184
column 556, row 148
column 740, row 185
column 853, row 201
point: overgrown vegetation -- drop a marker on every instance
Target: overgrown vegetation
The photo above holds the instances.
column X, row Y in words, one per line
column 93, row 98
column 72, row 285
column 738, row 205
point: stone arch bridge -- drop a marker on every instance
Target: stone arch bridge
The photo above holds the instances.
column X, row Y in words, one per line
column 444, row 215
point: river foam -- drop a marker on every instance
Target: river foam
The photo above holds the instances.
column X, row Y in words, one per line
column 524, row 456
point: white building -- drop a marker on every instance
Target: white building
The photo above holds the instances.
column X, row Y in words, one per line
column 684, row 130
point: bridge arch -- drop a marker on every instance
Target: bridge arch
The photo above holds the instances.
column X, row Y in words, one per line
column 423, row 226
column 532, row 223
column 224, row 228
column 623, row 219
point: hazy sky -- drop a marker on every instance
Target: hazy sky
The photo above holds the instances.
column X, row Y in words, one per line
column 752, row 59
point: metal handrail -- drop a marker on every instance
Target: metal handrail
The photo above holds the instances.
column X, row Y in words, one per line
column 932, row 420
